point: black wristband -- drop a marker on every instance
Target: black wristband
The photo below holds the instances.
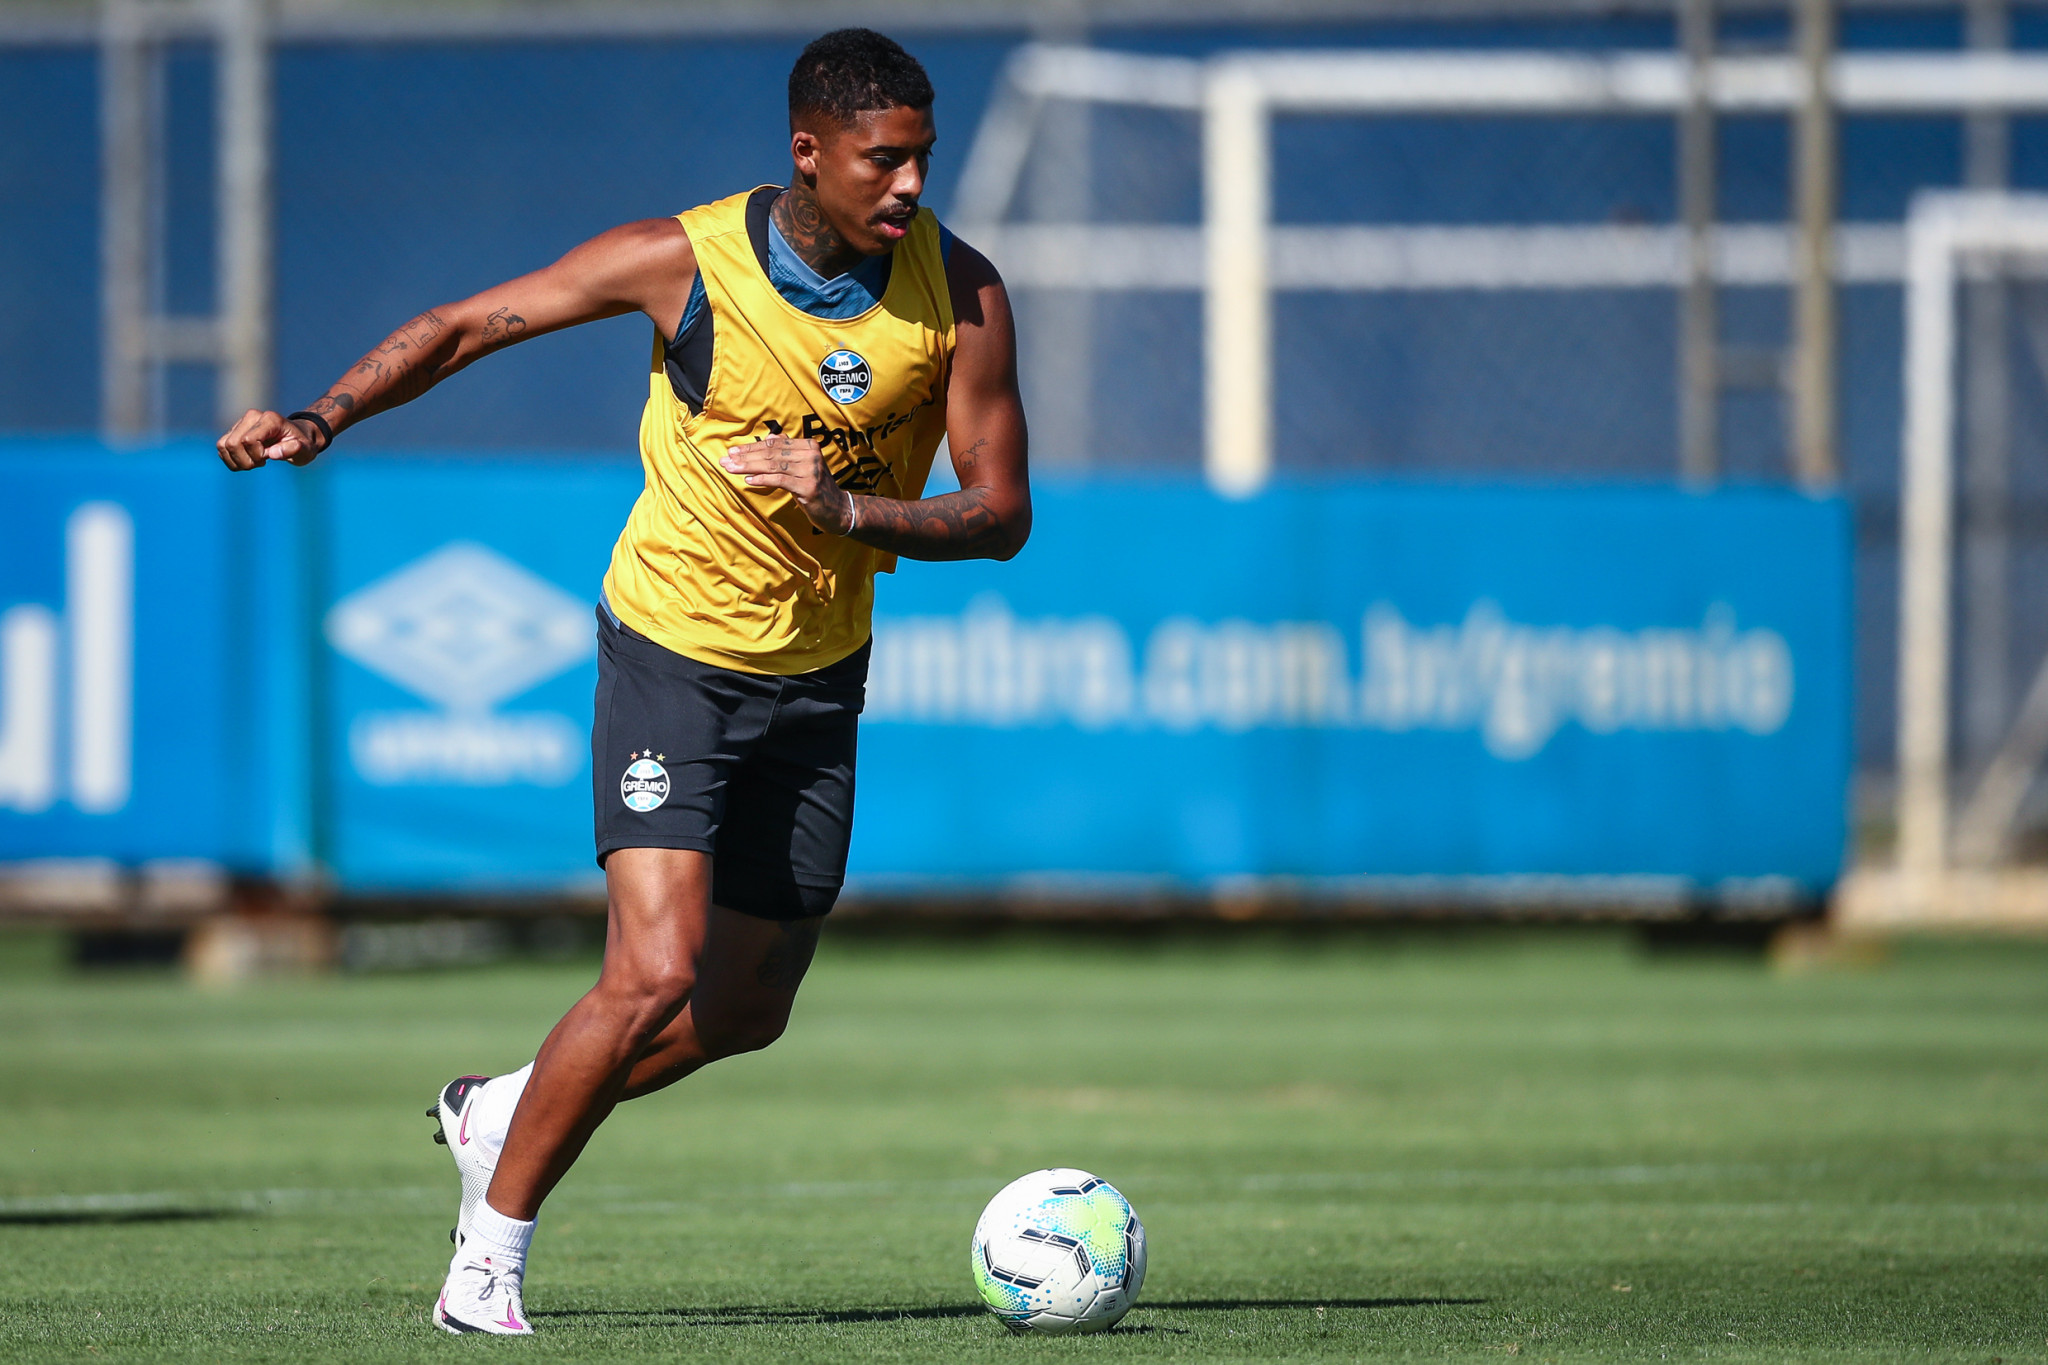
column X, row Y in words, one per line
column 326, row 432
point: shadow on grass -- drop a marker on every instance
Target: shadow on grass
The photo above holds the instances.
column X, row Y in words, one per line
column 1232, row 1305
column 754, row 1317
column 758, row 1317
column 34, row 1218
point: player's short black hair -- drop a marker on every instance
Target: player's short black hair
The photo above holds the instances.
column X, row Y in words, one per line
column 853, row 69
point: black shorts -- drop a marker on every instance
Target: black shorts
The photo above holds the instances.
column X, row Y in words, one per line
column 755, row 770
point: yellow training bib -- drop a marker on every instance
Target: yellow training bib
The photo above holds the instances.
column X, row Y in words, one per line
column 738, row 577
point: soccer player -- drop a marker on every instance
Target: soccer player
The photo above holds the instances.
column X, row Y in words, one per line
column 813, row 345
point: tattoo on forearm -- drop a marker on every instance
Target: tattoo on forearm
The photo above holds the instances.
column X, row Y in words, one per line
column 503, row 325
column 405, row 382
column 959, row 525
column 402, row 367
column 335, row 407
column 422, row 330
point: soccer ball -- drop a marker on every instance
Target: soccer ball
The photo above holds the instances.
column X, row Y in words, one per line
column 1059, row 1251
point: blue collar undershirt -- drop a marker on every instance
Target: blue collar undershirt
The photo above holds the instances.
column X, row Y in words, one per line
column 843, row 296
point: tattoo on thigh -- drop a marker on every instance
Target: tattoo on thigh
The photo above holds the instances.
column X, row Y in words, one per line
column 786, row 960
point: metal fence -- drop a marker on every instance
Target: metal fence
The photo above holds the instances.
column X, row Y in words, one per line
column 1461, row 291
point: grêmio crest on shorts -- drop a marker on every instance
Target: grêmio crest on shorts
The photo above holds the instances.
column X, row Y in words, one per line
column 645, row 784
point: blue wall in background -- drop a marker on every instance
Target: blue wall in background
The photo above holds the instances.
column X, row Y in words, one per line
column 49, row 236
column 444, row 167
column 1326, row 683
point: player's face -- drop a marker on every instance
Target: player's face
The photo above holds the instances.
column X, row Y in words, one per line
column 869, row 173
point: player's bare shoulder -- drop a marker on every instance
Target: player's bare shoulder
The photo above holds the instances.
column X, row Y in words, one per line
column 654, row 241
column 648, row 264
column 644, row 266
column 984, row 374
column 979, row 297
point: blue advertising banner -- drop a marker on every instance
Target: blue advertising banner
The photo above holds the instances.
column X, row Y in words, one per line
column 1324, row 684
column 149, row 704
column 1345, row 685
column 462, row 661
column 1370, row 682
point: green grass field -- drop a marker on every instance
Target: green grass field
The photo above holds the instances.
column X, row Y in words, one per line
column 1543, row 1146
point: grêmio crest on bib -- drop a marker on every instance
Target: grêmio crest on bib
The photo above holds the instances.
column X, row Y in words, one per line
column 845, row 375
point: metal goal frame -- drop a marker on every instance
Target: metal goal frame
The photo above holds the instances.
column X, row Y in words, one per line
column 1238, row 257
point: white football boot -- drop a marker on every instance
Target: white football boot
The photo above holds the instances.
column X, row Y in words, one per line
column 451, row 1112
column 481, row 1295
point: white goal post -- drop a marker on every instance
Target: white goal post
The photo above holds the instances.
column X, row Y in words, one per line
column 1948, row 865
column 1238, row 257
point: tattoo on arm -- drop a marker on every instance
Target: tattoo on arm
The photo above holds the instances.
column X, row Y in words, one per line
column 422, row 330
column 340, row 401
column 421, row 353
column 503, row 325
column 970, row 524
column 962, row 525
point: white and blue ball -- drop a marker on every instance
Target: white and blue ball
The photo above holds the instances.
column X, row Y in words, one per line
column 1059, row 1251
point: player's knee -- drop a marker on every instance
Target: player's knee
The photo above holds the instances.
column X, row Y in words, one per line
column 650, row 995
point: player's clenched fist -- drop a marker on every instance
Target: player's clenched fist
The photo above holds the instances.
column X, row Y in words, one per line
column 799, row 468
column 261, row 437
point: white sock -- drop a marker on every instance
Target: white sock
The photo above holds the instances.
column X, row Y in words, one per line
column 503, row 1239
column 494, row 1105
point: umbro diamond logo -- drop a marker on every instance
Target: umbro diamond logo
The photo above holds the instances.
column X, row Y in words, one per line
column 463, row 626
